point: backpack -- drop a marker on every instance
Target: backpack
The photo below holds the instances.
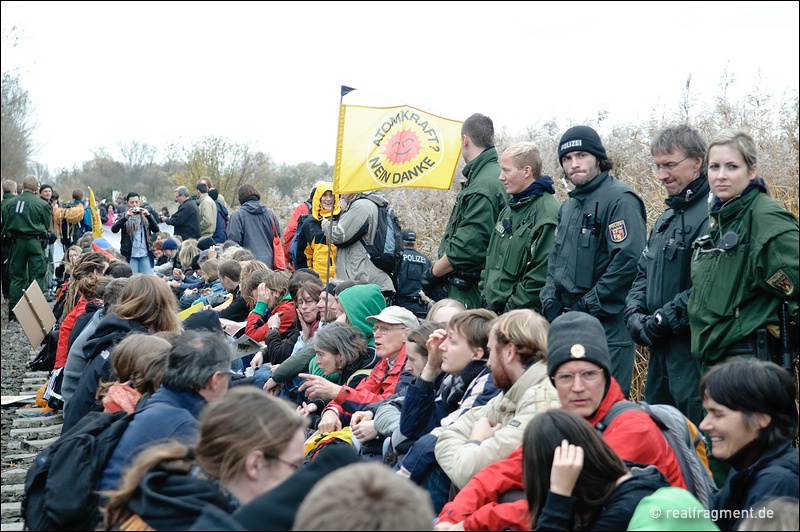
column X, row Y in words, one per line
column 685, row 439
column 52, row 392
column 46, row 359
column 69, row 218
column 60, row 486
column 386, row 250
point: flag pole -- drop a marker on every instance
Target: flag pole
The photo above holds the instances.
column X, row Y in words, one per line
column 345, row 90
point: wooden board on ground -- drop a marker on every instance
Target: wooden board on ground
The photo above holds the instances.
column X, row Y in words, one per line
column 34, row 314
column 12, row 399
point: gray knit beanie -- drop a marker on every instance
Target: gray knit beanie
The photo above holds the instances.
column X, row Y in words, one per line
column 577, row 336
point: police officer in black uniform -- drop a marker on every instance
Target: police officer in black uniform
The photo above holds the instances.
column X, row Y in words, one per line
column 409, row 279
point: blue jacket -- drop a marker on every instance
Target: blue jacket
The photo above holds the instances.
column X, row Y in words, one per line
column 774, row 474
column 187, row 300
column 169, row 414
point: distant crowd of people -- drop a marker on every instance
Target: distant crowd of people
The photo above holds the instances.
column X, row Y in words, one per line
column 283, row 379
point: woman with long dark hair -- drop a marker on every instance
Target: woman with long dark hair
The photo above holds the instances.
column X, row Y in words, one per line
column 574, row 481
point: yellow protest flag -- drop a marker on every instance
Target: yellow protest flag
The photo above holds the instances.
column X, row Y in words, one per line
column 97, row 222
column 394, row 147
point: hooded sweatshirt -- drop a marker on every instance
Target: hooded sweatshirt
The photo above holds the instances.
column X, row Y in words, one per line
column 110, row 331
column 171, row 501
column 360, row 301
column 251, row 226
column 312, row 244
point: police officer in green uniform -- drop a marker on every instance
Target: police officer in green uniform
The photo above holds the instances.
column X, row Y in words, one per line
column 746, row 265
column 26, row 220
column 9, row 193
column 599, row 237
column 656, row 307
column 520, row 245
column 462, row 252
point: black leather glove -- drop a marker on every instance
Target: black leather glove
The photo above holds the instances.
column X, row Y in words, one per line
column 552, row 309
column 656, row 331
column 637, row 329
column 434, row 287
column 580, row 306
column 630, row 311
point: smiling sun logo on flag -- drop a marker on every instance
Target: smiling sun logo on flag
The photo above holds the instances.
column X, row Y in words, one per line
column 405, row 146
column 394, row 147
column 402, row 147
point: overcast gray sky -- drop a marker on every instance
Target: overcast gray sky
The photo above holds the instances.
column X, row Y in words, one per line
column 101, row 73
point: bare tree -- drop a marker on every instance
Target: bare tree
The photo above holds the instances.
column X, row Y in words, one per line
column 16, row 128
column 228, row 164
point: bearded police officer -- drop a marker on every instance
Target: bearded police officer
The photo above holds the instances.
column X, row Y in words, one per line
column 409, row 278
column 656, row 307
column 26, row 221
column 599, row 237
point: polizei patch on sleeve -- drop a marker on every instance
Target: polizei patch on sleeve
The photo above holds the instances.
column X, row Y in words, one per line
column 618, row 231
column 781, row 281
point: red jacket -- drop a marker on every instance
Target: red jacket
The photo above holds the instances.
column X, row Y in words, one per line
column 259, row 332
column 65, row 329
column 478, row 505
column 379, row 385
column 291, row 229
column 637, row 439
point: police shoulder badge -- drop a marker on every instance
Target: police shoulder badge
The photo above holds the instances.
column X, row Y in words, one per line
column 618, row 231
column 781, row 281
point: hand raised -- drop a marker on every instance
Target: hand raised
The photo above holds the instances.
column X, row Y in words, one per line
column 567, row 466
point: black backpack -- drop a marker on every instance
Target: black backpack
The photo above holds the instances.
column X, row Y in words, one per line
column 46, row 359
column 61, row 484
column 386, row 250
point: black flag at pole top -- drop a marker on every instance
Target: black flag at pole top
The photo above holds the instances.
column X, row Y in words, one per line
column 346, row 89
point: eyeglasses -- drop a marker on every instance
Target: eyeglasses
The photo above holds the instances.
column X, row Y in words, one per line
column 279, row 459
column 667, row 167
column 381, row 330
column 307, row 302
column 566, row 379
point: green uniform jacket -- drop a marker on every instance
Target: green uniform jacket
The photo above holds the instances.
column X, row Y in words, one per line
column 599, row 237
column 26, row 215
column 664, row 280
column 7, row 198
column 478, row 204
column 737, row 291
column 516, row 263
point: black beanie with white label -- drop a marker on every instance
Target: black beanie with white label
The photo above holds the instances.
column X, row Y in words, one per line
column 581, row 138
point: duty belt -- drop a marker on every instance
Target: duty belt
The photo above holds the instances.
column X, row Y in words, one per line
column 761, row 344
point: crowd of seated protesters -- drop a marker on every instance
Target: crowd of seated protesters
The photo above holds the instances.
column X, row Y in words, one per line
column 469, row 412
